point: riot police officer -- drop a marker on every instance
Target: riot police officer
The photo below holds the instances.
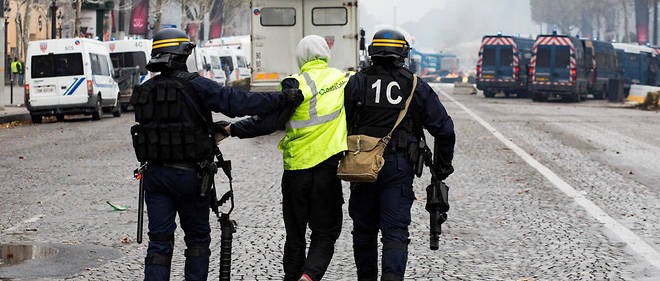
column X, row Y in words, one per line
column 374, row 98
column 174, row 135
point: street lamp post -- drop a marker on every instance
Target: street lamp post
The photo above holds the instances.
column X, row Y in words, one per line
column 53, row 19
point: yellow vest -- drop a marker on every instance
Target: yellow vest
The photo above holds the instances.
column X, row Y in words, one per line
column 14, row 66
column 317, row 129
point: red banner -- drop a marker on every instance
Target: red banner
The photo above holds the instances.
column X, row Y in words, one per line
column 140, row 18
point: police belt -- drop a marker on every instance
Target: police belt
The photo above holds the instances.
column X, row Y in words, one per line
column 190, row 167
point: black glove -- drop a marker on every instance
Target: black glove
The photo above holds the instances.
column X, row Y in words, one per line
column 293, row 97
column 443, row 171
column 219, row 127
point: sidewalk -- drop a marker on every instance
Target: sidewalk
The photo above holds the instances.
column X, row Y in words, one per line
column 5, row 95
column 15, row 111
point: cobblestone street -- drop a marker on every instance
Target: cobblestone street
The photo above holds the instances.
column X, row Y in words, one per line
column 507, row 221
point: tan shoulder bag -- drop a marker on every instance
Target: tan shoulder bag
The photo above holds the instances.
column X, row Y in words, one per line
column 364, row 158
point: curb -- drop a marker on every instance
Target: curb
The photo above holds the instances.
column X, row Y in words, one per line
column 14, row 117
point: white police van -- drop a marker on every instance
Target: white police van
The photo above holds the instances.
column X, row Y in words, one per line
column 129, row 59
column 234, row 63
column 206, row 61
column 69, row 76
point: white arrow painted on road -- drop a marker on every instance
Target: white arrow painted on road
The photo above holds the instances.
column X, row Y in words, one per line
column 636, row 243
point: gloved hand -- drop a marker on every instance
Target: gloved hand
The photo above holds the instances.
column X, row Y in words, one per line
column 293, row 97
column 220, row 127
column 443, row 171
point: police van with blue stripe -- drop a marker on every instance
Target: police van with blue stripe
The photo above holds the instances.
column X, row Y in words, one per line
column 70, row 76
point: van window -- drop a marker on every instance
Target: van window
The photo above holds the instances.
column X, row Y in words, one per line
column 278, row 16
column 129, row 59
column 215, row 63
column 543, row 57
column 226, row 62
column 329, row 16
column 99, row 65
column 56, row 65
column 506, row 56
column 562, row 56
column 489, row 56
column 242, row 62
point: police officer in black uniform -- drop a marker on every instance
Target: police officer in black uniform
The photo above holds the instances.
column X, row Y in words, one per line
column 374, row 98
column 174, row 135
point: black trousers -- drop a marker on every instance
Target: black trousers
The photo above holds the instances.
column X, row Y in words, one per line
column 311, row 197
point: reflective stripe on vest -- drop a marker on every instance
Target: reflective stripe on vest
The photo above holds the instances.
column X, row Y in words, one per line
column 317, row 128
column 314, row 118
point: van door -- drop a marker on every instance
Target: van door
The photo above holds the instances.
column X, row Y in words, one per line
column 101, row 79
column 277, row 27
column 497, row 62
column 243, row 69
column 336, row 21
column 55, row 77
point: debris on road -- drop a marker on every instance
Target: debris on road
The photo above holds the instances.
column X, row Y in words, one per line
column 116, row 207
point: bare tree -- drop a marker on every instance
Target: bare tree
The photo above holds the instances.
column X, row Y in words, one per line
column 76, row 27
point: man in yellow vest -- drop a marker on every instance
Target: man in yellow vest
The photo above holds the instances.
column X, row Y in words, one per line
column 315, row 138
column 17, row 71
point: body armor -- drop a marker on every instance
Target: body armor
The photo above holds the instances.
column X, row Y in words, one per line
column 386, row 92
column 173, row 124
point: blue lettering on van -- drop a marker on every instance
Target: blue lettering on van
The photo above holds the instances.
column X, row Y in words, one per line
column 76, row 83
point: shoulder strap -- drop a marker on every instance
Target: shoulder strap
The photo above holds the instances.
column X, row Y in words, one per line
column 403, row 112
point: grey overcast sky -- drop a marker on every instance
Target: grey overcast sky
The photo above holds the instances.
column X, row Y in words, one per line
column 450, row 26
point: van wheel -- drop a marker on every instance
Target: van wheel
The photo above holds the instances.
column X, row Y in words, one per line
column 36, row 119
column 60, row 117
column 98, row 110
column 116, row 111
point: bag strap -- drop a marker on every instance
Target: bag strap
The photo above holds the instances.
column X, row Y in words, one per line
column 403, row 112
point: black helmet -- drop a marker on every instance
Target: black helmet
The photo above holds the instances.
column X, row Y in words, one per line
column 169, row 50
column 389, row 43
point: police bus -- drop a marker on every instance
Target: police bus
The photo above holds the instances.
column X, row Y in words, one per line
column 278, row 26
column 638, row 64
column 600, row 59
column 558, row 68
column 503, row 65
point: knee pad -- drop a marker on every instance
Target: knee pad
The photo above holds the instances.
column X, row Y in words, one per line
column 162, row 238
column 193, row 252
column 395, row 239
column 158, row 259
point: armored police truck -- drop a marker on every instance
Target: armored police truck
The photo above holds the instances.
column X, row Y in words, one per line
column 558, row 68
column 70, row 76
column 503, row 65
column 638, row 64
column 600, row 59
column 278, row 26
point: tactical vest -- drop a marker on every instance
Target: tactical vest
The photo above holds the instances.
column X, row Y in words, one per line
column 385, row 94
column 317, row 129
column 173, row 123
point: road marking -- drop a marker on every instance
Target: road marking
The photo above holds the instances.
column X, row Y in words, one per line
column 30, row 220
column 636, row 243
